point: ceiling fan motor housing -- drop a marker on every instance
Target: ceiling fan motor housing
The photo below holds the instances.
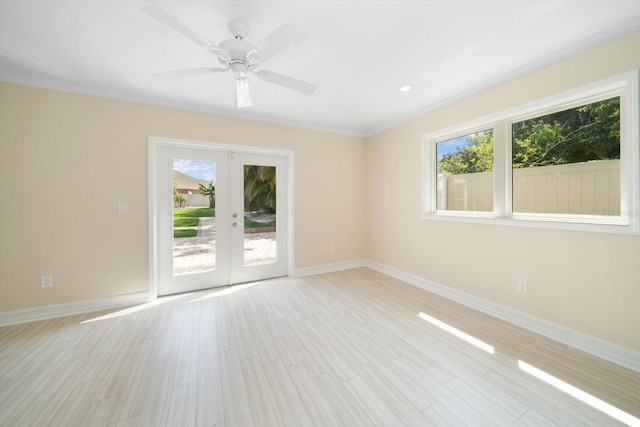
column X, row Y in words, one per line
column 237, row 50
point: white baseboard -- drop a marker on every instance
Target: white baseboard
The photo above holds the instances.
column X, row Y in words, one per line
column 606, row 350
column 328, row 268
column 67, row 309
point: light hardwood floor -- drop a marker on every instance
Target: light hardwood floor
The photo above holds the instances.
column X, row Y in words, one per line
column 338, row 349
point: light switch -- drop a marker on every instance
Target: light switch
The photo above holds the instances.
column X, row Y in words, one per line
column 122, row 207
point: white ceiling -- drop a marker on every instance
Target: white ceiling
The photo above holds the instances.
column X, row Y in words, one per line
column 358, row 52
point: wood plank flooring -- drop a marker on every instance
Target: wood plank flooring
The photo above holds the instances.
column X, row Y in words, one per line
column 338, row 349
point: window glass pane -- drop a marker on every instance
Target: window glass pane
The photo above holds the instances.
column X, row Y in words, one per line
column 465, row 172
column 568, row 162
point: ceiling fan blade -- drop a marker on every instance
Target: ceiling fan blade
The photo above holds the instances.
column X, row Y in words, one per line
column 243, row 97
column 189, row 72
column 171, row 21
column 282, row 38
column 288, row 82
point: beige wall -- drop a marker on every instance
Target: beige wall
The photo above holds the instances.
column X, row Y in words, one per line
column 59, row 145
column 588, row 282
column 53, row 143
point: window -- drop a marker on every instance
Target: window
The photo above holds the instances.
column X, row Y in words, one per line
column 569, row 161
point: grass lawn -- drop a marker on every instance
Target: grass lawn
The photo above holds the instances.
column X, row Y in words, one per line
column 255, row 224
column 189, row 232
column 185, row 222
column 193, row 212
column 189, row 217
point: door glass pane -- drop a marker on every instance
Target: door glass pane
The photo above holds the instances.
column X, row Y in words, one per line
column 464, row 168
column 194, row 222
column 259, row 215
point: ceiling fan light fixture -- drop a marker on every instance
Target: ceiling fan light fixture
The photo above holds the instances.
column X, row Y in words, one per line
column 243, row 97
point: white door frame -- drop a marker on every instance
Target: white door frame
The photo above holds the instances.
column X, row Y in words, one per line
column 155, row 142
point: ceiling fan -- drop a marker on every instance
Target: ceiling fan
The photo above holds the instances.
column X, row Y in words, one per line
column 239, row 56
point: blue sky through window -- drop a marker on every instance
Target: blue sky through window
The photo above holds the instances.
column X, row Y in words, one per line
column 450, row 146
column 196, row 169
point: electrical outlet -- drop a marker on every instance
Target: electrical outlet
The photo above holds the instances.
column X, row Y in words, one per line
column 523, row 286
column 46, row 281
column 332, row 249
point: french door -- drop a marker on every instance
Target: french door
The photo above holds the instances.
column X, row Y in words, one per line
column 236, row 232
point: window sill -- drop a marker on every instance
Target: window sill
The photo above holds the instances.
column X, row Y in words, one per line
column 599, row 224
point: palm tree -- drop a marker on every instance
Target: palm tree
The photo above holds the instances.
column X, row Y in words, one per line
column 177, row 197
column 209, row 190
column 260, row 188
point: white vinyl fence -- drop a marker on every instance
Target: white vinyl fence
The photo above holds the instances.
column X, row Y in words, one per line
column 591, row 188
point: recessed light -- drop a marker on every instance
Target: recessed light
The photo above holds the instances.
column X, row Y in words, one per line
column 405, row 88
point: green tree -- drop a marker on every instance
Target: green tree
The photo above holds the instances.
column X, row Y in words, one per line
column 260, row 188
column 177, row 197
column 582, row 134
column 476, row 156
column 587, row 133
column 209, row 190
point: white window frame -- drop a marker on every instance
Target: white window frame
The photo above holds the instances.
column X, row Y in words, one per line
column 628, row 222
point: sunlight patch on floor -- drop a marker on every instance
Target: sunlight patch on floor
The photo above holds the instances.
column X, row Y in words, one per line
column 458, row 333
column 136, row 308
column 583, row 396
column 225, row 291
